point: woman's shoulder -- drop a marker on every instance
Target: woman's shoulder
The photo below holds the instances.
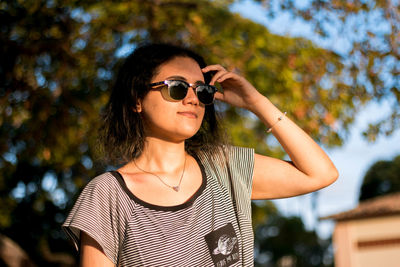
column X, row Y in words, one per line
column 240, row 151
column 106, row 189
column 225, row 150
column 102, row 183
column 235, row 155
column 106, row 178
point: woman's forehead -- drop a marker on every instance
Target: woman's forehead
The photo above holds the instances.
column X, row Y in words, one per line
column 184, row 67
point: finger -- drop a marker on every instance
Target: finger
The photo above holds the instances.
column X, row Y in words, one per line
column 219, row 96
column 217, row 76
column 216, row 67
column 225, row 76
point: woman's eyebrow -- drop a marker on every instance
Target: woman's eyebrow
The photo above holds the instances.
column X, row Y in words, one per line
column 177, row 77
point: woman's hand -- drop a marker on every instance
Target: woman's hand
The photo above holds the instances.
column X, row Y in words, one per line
column 237, row 91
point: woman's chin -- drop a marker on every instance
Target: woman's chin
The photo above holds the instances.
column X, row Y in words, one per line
column 183, row 135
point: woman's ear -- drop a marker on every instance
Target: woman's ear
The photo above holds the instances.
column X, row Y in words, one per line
column 138, row 107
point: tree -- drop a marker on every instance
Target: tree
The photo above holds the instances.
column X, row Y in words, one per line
column 284, row 241
column 382, row 178
column 370, row 29
column 58, row 59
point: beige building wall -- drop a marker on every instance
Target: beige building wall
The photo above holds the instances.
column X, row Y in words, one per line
column 368, row 242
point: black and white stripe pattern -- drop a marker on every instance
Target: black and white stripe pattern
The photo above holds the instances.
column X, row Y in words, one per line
column 135, row 233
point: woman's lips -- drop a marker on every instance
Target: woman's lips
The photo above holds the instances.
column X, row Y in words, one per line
column 188, row 114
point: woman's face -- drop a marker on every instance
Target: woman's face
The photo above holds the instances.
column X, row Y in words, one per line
column 173, row 120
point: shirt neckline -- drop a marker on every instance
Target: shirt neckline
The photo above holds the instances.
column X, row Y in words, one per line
column 186, row 204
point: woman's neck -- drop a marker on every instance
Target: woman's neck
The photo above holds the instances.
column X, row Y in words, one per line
column 161, row 156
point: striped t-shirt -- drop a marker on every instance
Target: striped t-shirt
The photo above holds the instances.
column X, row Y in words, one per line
column 207, row 230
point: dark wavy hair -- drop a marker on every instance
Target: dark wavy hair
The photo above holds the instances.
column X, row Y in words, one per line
column 121, row 133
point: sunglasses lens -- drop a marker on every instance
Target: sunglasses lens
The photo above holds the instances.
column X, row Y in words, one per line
column 177, row 90
column 205, row 94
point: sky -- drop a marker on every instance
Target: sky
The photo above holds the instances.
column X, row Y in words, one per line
column 353, row 159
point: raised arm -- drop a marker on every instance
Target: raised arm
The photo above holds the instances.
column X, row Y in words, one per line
column 310, row 169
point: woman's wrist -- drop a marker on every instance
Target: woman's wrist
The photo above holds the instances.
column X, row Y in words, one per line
column 267, row 112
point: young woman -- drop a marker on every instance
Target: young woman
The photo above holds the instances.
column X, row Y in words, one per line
column 183, row 195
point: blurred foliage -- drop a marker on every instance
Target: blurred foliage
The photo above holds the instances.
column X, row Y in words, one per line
column 284, row 241
column 382, row 178
column 58, row 59
column 372, row 30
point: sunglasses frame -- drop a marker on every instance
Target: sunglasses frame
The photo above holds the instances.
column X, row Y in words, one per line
column 194, row 86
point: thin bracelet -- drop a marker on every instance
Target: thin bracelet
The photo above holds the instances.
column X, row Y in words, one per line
column 279, row 119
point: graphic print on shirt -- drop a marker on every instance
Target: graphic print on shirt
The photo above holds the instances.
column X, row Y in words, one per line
column 223, row 246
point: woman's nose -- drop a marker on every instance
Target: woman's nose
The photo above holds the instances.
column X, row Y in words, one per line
column 191, row 97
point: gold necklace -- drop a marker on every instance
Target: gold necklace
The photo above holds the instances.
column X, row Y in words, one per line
column 175, row 188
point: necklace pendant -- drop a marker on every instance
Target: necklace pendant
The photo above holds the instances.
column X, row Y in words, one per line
column 176, row 188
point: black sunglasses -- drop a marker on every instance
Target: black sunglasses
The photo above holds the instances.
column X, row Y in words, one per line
column 177, row 90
